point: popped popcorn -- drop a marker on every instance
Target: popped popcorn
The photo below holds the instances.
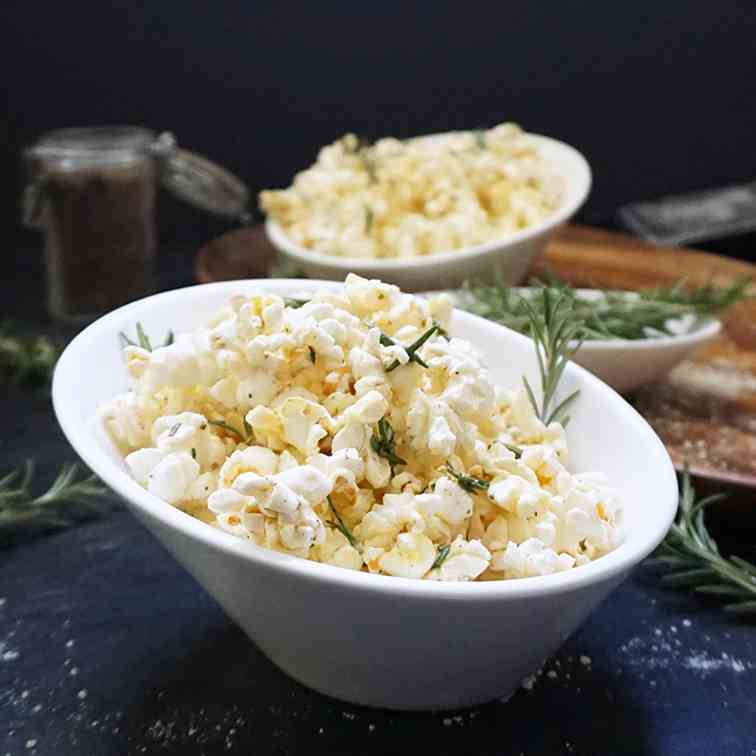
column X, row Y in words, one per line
column 419, row 196
column 315, row 430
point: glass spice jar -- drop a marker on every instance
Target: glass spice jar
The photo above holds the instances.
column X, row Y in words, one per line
column 92, row 191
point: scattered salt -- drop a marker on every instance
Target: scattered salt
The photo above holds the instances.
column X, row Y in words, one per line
column 585, row 660
column 686, row 623
column 82, row 694
column 528, row 682
column 73, row 671
column 31, row 744
column 704, row 664
column 371, row 727
column 552, row 674
column 447, row 722
column 347, row 715
column 69, row 644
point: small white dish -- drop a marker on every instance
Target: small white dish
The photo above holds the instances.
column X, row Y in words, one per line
column 373, row 639
column 507, row 259
column 629, row 364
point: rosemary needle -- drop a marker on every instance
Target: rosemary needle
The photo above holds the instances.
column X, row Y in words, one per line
column 441, row 554
column 231, row 429
column 341, row 526
column 468, row 482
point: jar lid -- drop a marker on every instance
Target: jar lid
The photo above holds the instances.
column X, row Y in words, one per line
column 185, row 174
column 103, row 144
column 199, row 181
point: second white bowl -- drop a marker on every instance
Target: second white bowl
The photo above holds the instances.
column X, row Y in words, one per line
column 507, row 259
column 628, row 364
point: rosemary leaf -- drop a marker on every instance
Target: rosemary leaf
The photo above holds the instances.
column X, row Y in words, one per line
column 295, row 304
column 442, row 553
column 144, row 341
column 468, row 482
column 229, row 428
column 412, row 349
column 341, row 526
column 516, row 450
column 383, row 444
column 743, row 607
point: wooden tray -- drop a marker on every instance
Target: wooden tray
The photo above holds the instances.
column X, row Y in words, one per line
column 704, row 411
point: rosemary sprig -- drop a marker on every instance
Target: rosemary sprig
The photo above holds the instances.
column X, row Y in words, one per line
column 412, row 349
column 143, row 340
column 692, row 557
column 66, row 501
column 25, row 360
column 245, row 437
column 368, row 219
column 441, row 554
column 611, row 314
column 468, row 482
column 341, row 526
column 383, row 444
column 556, row 341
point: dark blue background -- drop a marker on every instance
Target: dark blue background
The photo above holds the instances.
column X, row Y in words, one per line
column 661, row 97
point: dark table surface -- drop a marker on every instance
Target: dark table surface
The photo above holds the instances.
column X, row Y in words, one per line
column 108, row 647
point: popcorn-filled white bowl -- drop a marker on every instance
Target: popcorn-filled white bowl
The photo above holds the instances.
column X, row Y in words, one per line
column 507, row 259
column 373, row 639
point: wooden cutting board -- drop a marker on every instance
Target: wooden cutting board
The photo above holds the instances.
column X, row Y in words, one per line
column 704, row 411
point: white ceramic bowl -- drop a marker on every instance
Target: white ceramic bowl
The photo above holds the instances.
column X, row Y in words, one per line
column 628, row 365
column 508, row 259
column 373, row 639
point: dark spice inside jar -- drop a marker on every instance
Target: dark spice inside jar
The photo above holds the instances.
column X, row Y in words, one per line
column 100, row 235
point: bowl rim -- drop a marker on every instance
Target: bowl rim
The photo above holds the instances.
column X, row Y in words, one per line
column 705, row 330
column 576, row 192
column 67, row 381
